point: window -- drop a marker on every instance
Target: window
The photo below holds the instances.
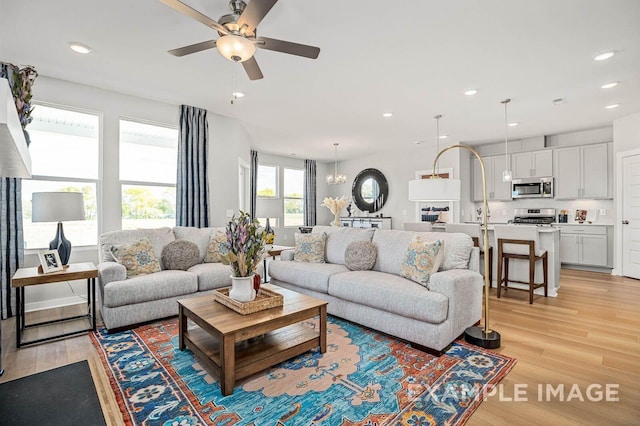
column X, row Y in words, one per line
column 293, row 197
column 267, row 186
column 64, row 156
column 148, row 171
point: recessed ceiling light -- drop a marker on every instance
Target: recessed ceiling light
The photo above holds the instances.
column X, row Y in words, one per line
column 387, row 114
column 443, row 136
column 609, row 85
column 238, row 94
column 559, row 101
column 604, row 55
column 612, row 106
column 514, row 124
column 470, row 92
column 79, row 47
column 419, row 142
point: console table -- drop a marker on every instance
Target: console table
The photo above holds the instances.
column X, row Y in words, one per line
column 366, row 222
column 31, row 276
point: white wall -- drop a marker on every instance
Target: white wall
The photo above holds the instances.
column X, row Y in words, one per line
column 399, row 167
column 229, row 143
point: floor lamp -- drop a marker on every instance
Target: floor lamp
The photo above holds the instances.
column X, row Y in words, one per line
column 437, row 189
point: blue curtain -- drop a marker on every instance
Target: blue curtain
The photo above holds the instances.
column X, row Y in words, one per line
column 254, row 183
column 192, row 189
column 11, row 238
column 309, row 192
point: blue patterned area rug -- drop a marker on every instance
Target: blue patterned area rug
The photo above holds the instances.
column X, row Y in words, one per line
column 364, row 378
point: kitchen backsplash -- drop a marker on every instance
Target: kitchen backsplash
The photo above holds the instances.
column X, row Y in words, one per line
column 502, row 212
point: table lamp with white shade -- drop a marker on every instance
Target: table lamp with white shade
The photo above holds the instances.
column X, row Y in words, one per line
column 437, row 189
column 58, row 207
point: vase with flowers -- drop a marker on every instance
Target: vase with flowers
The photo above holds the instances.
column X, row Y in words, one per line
column 246, row 243
column 335, row 205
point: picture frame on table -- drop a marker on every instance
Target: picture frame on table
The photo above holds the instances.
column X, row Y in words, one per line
column 50, row 261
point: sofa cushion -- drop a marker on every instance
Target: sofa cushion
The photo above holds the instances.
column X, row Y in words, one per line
column 139, row 257
column 390, row 293
column 211, row 275
column 145, row 288
column 422, row 259
column 360, row 255
column 159, row 238
column 180, row 255
column 338, row 238
column 392, row 246
column 217, row 246
column 309, row 248
column 313, row 276
column 200, row 236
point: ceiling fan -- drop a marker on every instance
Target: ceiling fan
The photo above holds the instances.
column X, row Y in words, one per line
column 237, row 31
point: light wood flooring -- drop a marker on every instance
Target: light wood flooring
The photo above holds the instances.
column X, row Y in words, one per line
column 588, row 335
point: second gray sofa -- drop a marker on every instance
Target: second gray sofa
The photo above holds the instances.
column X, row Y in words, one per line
column 432, row 316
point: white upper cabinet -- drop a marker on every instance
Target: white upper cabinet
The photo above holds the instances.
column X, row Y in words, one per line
column 496, row 189
column 533, row 164
column 582, row 171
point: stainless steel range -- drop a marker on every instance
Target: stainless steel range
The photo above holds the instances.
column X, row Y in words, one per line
column 540, row 217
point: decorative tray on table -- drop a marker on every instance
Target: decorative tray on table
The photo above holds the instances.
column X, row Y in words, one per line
column 265, row 299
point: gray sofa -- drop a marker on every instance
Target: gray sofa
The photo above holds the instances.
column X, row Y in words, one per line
column 128, row 301
column 381, row 298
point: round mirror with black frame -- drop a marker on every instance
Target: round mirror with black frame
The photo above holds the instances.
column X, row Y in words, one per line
column 370, row 190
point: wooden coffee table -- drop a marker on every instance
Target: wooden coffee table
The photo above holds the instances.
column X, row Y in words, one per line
column 220, row 340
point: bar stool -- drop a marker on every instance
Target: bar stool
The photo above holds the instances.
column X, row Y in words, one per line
column 417, row 226
column 520, row 242
column 474, row 230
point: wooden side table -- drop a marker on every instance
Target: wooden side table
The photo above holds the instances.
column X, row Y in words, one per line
column 30, row 276
column 273, row 251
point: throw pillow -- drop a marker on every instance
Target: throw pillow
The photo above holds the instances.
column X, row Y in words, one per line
column 310, row 248
column 217, row 246
column 422, row 259
column 360, row 256
column 139, row 257
column 180, row 255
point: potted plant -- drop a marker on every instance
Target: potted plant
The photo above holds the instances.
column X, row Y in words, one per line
column 246, row 245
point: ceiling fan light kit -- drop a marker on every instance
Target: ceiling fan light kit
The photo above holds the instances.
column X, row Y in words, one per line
column 235, row 48
column 237, row 31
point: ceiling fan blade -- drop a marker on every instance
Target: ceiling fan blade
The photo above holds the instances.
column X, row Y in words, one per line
column 288, row 47
column 252, row 69
column 254, row 12
column 192, row 13
column 198, row 47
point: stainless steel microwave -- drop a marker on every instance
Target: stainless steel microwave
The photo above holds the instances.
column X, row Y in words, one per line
column 532, row 188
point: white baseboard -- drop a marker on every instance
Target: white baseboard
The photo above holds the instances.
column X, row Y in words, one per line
column 54, row 303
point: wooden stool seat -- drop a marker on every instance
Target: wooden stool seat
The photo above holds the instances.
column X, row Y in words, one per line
column 511, row 248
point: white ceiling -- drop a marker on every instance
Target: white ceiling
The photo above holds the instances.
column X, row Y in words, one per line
column 414, row 58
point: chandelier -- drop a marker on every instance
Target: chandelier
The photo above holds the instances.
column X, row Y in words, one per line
column 336, row 178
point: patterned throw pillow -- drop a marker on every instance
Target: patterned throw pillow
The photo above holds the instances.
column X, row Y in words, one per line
column 217, row 246
column 180, row 255
column 310, row 248
column 423, row 258
column 360, row 256
column 139, row 257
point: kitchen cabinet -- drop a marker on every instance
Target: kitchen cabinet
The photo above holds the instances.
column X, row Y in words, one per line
column 584, row 245
column 533, row 164
column 583, row 171
column 497, row 190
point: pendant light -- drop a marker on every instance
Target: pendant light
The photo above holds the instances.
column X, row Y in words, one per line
column 336, row 178
column 507, row 175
